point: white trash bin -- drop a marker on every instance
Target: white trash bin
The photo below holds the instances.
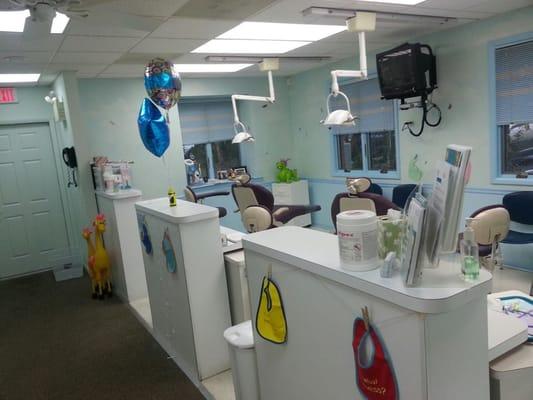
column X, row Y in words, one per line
column 243, row 361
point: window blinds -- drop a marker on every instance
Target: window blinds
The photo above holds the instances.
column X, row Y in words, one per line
column 514, row 84
column 375, row 114
column 203, row 122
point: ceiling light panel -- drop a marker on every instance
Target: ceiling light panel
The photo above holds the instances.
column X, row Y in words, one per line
column 13, row 21
column 19, row 78
column 59, row 23
column 207, row 68
column 281, row 31
column 403, row 2
column 238, row 46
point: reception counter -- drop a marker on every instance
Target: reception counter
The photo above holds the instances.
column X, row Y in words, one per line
column 435, row 334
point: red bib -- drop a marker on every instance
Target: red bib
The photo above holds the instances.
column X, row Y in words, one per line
column 375, row 377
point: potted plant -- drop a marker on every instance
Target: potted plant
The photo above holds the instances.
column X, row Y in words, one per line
column 285, row 174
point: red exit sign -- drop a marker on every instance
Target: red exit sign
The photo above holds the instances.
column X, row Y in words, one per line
column 8, row 95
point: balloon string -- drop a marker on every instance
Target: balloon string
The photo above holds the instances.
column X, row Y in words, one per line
column 166, row 170
column 153, row 102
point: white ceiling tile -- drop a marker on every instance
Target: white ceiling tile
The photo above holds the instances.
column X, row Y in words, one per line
column 47, row 79
column 223, row 9
column 125, row 69
column 190, row 58
column 80, row 68
column 21, row 57
column 85, row 29
column 499, row 6
column 86, row 76
column 143, row 58
column 97, row 43
column 116, row 51
column 192, row 28
column 86, row 57
column 119, row 75
column 21, row 68
column 147, row 8
column 154, row 46
column 449, row 4
column 20, row 42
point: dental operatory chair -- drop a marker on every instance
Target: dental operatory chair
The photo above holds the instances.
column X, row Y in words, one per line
column 358, row 197
column 491, row 226
column 519, row 206
column 401, row 193
column 256, row 205
column 193, row 197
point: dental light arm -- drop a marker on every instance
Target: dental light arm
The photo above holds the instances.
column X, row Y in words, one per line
column 363, row 21
column 265, row 99
column 241, row 134
column 362, row 73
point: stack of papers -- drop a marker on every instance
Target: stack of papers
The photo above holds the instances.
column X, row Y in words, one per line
column 411, row 254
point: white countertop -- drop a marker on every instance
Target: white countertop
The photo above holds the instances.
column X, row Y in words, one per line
column 123, row 194
column 234, row 239
column 505, row 331
column 441, row 289
column 185, row 212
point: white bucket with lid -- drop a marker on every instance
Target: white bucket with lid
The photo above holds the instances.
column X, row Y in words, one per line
column 357, row 231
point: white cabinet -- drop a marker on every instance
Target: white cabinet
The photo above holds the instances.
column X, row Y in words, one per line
column 296, row 193
column 122, row 243
column 190, row 309
column 435, row 334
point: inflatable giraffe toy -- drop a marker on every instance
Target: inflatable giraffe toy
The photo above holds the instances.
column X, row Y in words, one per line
column 86, row 233
column 102, row 266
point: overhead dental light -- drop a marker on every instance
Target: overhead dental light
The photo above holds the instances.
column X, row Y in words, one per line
column 241, row 132
column 361, row 23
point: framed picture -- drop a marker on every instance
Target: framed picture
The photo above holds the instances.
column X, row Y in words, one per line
column 223, row 174
column 240, row 170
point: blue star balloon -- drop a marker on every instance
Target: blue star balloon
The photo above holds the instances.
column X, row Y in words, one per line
column 153, row 128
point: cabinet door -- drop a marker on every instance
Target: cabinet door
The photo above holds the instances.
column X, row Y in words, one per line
column 112, row 246
column 153, row 280
column 175, row 296
column 318, row 358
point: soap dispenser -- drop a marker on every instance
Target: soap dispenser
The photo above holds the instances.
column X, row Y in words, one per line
column 469, row 253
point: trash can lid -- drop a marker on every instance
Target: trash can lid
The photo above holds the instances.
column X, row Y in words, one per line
column 241, row 335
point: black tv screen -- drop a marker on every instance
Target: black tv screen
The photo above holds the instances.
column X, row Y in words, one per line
column 406, row 71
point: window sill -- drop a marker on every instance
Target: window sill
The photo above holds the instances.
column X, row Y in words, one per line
column 393, row 175
column 217, row 182
column 510, row 180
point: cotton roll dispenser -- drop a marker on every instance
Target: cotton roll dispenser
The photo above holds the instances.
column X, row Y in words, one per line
column 357, row 232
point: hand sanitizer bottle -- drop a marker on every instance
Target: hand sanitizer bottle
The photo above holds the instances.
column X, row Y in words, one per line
column 469, row 253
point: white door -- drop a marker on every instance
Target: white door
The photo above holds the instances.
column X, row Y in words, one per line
column 32, row 223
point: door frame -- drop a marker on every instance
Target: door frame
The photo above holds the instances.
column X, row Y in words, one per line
column 60, row 170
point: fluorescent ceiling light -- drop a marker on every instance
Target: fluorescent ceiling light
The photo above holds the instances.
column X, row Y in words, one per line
column 405, row 2
column 279, row 31
column 204, row 68
column 59, row 23
column 13, row 21
column 19, row 78
column 223, row 46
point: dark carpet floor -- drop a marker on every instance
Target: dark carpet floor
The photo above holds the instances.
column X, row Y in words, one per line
column 56, row 343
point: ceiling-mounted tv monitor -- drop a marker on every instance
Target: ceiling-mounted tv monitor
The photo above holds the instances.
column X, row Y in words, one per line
column 407, row 71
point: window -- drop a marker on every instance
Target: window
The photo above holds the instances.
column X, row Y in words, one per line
column 207, row 131
column 370, row 146
column 513, row 75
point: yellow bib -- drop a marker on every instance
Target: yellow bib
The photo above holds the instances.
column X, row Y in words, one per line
column 270, row 319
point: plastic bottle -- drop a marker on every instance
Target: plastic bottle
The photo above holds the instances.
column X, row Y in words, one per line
column 469, row 253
